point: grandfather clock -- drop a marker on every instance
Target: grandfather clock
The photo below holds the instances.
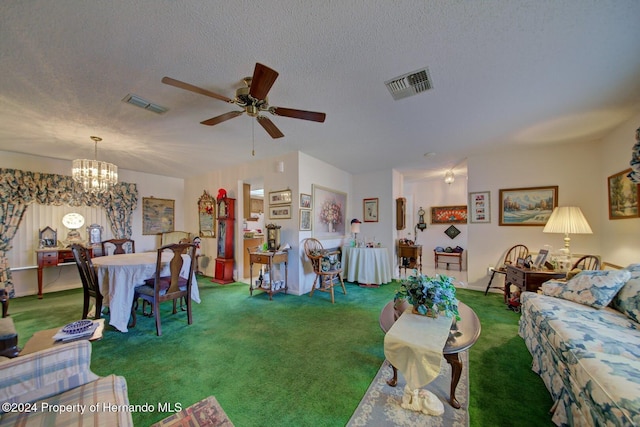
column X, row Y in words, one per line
column 224, row 260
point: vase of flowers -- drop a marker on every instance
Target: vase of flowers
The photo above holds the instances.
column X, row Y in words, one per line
column 331, row 214
column 430, row 296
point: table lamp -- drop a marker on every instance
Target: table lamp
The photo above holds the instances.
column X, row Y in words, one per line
column 567, row 220
column 355, row 229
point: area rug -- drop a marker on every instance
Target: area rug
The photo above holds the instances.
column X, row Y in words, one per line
column 380, row 405
column 205, row 413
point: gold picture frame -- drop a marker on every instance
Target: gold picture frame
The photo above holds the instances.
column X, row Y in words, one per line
column 158, row 215
column 207, row 215
column 623, row 195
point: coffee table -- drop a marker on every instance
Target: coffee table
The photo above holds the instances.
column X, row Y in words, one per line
column 463, row 335
column 44, row 339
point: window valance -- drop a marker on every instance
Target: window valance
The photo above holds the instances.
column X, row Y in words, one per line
column 19, row 189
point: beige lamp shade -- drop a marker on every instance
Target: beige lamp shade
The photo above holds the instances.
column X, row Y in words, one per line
column 567, row 220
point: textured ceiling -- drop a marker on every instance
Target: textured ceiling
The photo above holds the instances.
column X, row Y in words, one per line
column 506, row 74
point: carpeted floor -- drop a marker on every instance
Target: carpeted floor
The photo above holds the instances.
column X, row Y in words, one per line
column 380, row 405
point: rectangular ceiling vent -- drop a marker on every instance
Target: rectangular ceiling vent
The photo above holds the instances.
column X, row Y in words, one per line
column 143, row 103
column 409, row 84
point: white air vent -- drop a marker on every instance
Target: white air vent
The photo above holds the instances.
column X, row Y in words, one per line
column 409, row 84
column 143, row 103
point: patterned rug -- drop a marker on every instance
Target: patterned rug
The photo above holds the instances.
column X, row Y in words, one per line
column 205, row 413
column 380, row 405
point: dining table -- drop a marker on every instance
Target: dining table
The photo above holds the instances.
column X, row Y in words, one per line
column 119, row 275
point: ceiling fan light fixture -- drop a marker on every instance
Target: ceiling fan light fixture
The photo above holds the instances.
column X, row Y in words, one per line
column 95, row 176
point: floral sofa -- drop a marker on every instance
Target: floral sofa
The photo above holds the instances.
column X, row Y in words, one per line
column 56, row 387
column 584, row 336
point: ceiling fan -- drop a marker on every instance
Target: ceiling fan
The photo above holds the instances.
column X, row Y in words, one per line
column 253, row 99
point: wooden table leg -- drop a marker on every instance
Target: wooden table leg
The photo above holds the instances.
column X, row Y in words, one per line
column 456, row 371
column 393, row 381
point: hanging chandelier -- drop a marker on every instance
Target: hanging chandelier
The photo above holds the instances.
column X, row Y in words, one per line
column 449, row 177
column 95, row 176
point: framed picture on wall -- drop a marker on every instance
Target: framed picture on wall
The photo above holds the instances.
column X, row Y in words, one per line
column 623, row 196
column 448, row 215
column 305, row 201
column 480, row 207
column 329, row 212
column 305, row 220
column 157, row 215
column 281, row 197
column 280, row 212
column 527, row 206
column 370, row 210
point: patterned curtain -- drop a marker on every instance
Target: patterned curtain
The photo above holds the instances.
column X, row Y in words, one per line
column 18, row 189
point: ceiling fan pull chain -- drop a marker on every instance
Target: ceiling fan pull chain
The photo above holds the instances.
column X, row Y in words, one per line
column 253, row 139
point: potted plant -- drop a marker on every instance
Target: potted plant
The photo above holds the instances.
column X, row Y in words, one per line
column 430, row 296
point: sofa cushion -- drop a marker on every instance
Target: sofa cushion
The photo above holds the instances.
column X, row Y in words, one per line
column 595, row 288
column 627, row 301
column 98, row 403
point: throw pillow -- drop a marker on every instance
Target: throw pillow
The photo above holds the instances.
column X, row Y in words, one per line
column 627, row 301
column 595, row 288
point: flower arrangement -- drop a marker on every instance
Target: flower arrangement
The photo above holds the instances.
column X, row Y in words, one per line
column 430, row 295
column 331, row 212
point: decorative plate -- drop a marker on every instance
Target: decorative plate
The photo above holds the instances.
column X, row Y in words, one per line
column 452, row 232
column 77, row 327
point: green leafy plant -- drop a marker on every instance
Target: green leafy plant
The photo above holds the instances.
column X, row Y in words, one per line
column 430, row 294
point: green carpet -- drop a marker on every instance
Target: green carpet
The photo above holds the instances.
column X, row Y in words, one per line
column 293, row 361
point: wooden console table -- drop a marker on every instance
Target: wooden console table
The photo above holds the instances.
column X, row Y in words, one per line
column 527, row 280
column 457, row 258
column 53, row 257
column 409, row 256
column 270, row 259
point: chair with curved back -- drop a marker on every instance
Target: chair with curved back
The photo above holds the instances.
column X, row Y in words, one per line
column 173, row 287
column 170, row 237
column 118, row 246
column 328, row 274
column 89, row 279
column 587, row 262
column 512, row 255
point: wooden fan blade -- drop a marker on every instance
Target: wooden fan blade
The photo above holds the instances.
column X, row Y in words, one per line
column 196, row 89
column 222, row 118
column 299, row 114
column 269, row 127
column 262, row 80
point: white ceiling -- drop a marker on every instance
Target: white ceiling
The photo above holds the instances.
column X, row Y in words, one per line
column 505, row 74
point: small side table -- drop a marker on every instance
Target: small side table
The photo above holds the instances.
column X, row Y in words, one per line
column 527, row 280
column 409, row 256
column 44, row 339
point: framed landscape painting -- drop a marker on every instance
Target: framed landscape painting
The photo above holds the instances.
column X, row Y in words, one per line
column 157, row 215
column 527, row 206
column 623, row 196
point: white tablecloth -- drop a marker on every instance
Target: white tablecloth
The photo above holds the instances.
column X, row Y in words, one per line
column 366, row 265
column 414, row 345
column 118, row 275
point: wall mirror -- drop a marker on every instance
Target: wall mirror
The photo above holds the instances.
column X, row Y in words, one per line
column 207, row 214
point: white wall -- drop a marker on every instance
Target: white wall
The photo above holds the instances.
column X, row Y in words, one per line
column 580, row 171
column 621, row 237
column 427, row 194
column 66, row 277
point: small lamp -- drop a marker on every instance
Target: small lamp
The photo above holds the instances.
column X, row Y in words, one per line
column 355, row 228
column 567, row 220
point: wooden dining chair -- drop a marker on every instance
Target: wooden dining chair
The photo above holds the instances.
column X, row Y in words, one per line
column 89, row 279
column 173, row 287
column 587, row 262
column 118, row 246
column 511, row 257
column 388, row 316
column 327, row 274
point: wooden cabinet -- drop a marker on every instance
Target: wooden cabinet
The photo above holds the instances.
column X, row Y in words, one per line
column 223, row 272
column 51, row 257
column 409, row 256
